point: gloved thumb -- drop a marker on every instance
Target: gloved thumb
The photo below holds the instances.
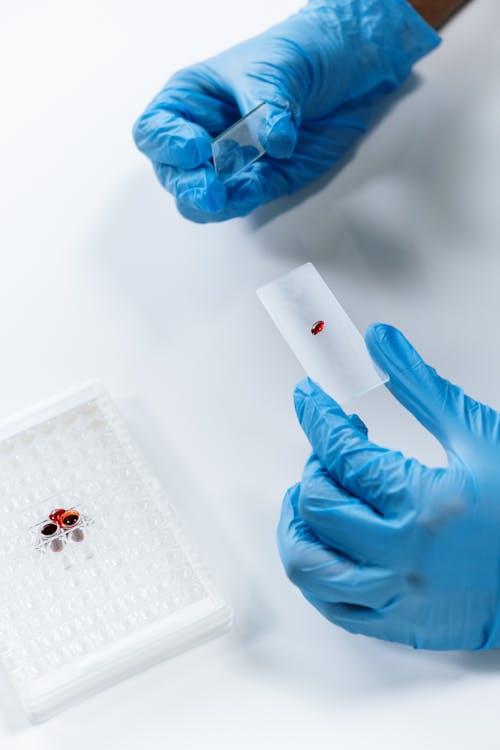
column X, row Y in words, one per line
column 279, row 127
column 280, row 133
column 434, row 401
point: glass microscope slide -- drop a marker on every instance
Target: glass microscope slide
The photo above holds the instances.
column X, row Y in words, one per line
column 320, row 333
column 240, row 144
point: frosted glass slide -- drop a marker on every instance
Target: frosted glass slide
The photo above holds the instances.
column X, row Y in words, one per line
column 240, row 144
column 320, row 333
column 97, row 579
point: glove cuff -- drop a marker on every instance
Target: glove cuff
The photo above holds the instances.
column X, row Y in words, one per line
column 416, row 38
column 387, row 37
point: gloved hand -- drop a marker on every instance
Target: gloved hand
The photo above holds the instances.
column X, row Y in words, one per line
column 322, row 72
column 385, row 546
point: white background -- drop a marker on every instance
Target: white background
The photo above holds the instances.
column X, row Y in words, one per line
column 100, row 277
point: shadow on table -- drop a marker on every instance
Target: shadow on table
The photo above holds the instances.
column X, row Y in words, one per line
column 319, row 662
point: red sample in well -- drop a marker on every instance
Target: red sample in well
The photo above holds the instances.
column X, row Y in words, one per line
column 317, row 327
column 56, row 515
column 70, row 518
column 48, row 529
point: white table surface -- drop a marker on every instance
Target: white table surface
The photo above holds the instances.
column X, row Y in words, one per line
column 102, row 278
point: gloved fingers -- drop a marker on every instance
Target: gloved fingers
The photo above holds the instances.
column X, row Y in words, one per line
column 281, row 132
column 256, row 184
column 435, row 402
column 259, row 183
column 319, row 146
column 358, row 423
column 344, row 522
column 322, row 571
column 177, row 127
column 168, row 138
column 383, row 478
column 375, row 623
column 196, row 189
column 279, row 128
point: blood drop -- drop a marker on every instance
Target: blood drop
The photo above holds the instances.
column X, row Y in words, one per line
column 317, row 327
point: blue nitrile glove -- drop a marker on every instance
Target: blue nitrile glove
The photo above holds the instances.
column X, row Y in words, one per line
column 322, row 72
column 385, row 546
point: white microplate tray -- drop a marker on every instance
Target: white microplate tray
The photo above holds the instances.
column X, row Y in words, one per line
column 240, row 144
column 320, row 333
column 123, row 593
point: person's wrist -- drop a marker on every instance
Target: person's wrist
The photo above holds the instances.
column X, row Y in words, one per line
column 436, row 12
